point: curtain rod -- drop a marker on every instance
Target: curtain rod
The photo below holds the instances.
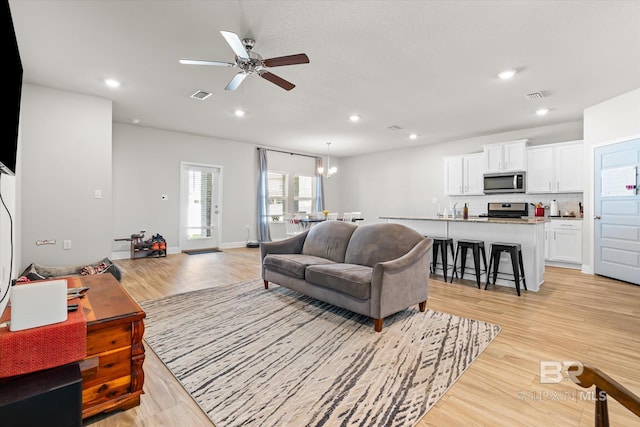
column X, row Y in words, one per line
column 288, row 152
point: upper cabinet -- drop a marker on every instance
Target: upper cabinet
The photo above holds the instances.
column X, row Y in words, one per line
column 505, row 156
column 555, row 168
column 463, row 174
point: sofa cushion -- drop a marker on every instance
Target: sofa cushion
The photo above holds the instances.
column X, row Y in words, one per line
column 293, row 265
column 351, row 279
column 374, row 243
column 329, row 240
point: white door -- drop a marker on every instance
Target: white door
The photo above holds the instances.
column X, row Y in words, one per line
column 617, row 211
column 199, row 206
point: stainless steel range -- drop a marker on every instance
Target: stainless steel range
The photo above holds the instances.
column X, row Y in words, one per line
column 507, row 210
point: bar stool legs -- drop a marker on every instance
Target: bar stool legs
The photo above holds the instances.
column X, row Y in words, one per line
column 442, row 243
column 515, row 252
column 477, row 247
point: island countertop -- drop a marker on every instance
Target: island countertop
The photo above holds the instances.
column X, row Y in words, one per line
column 529, row 232
column 485, row 220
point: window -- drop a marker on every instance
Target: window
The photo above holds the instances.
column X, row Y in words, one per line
column 277, row 195
column 303, row 193
column 283, row 199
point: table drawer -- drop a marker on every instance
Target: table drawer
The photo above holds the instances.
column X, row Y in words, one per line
column 110, row 338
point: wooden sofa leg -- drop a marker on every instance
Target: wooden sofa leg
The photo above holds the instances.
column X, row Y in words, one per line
column 377, row 324
column 266, row 284
column 422, row 305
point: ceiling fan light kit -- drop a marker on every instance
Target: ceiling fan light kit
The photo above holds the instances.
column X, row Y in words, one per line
column 250, row 62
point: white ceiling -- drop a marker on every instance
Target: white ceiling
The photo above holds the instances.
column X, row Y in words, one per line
column 427, row 66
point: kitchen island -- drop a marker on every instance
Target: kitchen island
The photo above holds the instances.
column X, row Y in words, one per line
column 528, row 231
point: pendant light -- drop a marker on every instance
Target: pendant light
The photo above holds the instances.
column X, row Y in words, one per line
column 330, row 170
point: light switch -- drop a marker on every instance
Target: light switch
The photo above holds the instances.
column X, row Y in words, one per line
column 66, row 244
column 98, row 194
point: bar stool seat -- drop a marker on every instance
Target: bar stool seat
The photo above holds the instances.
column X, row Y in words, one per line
column 477, row 247
column 442, row 244
column 515, row 251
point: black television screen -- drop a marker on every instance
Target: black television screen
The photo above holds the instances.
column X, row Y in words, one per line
column 11, row 97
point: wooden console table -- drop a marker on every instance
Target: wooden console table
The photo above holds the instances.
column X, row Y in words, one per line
column 112, row 374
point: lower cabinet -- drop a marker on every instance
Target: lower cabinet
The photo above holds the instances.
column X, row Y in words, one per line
column 563, row 241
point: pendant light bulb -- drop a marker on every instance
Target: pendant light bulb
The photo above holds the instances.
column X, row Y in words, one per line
column 330, row 170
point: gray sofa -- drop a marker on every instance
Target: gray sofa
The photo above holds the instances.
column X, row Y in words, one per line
column 375, row 270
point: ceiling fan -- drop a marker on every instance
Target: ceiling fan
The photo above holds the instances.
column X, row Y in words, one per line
column 250, row 62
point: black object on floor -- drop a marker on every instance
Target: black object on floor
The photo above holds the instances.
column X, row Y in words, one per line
column 202, row 251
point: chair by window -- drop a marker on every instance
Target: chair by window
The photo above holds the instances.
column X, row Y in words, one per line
column 347, row 216
column 332, row 217
column 292, row 225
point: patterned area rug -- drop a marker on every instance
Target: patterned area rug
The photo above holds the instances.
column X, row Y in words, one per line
column 256, row 357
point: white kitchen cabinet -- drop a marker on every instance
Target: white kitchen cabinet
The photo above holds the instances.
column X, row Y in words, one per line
column 555, row 168
column 568, row 167
column 463, row 174
column 505, row 156
column 563, row 239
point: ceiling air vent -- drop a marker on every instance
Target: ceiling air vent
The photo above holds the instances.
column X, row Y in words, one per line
column 534, row 96
column 201, row 95
column 395, row 127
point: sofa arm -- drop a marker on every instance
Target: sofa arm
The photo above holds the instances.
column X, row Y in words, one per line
column 402, row 282
column 409, row 259
column 292, row 245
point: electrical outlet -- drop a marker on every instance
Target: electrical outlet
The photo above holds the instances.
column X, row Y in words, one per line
column 434, row 200
column 66, row 244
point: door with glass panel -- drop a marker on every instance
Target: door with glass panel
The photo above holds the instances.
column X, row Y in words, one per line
column 200, row 210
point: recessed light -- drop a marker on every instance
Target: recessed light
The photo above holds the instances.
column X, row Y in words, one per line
column 354, row 118
column 413, row 136
column 112, row 83
column 507, row 74
column 239, row 113
column 542, row 111
column 135, row 121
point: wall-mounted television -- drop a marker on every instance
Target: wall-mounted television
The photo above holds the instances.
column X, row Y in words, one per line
column 11, row 94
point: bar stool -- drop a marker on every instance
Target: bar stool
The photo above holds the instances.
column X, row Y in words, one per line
column 515, row 251
column 476, row 246
column 442, row 243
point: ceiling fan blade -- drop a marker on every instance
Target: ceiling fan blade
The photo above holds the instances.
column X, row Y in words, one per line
column 235, row 81
column 205, row 62
column 300, row 58
column 278, row 81
column 236, row 44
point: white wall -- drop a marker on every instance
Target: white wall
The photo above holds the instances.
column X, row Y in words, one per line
column 609, row 122
column 66, row 156
column 404, row 182
column 146, row 165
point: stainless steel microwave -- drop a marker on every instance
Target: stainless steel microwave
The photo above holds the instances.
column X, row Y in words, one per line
column 512, row 182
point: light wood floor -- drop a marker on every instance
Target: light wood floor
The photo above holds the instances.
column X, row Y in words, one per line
column 573, row 317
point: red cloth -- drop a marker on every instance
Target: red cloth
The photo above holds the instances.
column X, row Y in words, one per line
column 44, row 347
